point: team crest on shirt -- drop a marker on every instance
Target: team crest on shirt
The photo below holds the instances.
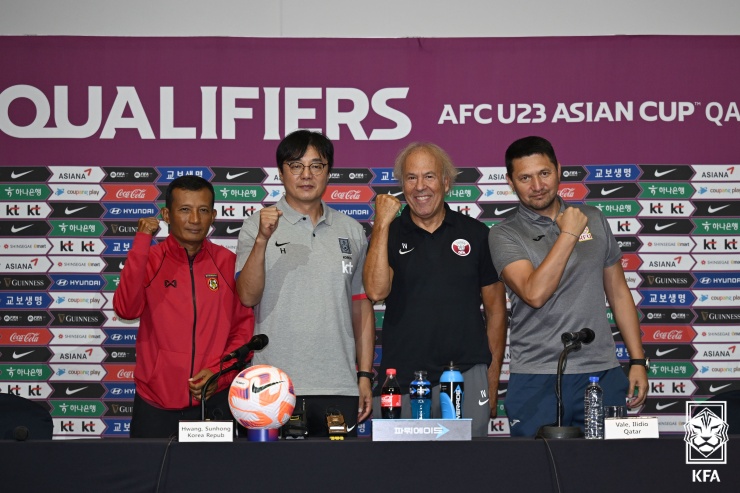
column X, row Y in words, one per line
column 344, row 246
column 461, row 247
column 212, row 281
column 586, row 235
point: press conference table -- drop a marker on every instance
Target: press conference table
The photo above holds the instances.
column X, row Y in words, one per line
column 358, row 465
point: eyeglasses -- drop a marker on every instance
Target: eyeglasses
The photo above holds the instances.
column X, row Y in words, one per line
column 297, row 167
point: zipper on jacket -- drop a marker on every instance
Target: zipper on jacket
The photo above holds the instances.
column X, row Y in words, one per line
column 195, row 318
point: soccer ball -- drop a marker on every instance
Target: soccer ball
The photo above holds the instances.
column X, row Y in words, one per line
column 262, row 397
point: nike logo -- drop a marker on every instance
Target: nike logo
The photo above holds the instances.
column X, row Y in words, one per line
column 230, row 230
column 712, row 210
column 72, row 211
column 404, row 252
column 660, row 407
column 15, row 175
column 714, row 389
column 16, row 355
column 395, row 194
column 281, row 244
column 660, row 352
column 351, row 428
column 482, row 403
column 13, row 229
column 257, row 390
column 661, row 227
column 658, row 174
column 502, row 392
column 608, row 192
column 538, row 238
column 72, row 392
column 513, row 422
column 229, row 176
column 615, row 333
column 498, row 212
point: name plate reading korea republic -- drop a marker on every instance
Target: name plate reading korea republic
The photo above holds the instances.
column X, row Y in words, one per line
column 638, row 427
column 422, row 430
column 206, row 431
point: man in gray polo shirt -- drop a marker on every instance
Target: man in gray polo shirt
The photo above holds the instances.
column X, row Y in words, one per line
column 300, row 265
column 558, row 261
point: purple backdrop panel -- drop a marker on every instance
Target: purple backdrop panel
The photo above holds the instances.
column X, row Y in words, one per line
column 199, row 101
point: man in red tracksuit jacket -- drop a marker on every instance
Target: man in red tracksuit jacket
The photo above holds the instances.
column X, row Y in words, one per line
column 183, row 292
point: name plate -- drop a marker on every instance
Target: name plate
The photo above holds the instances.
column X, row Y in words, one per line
column 206, row 431
column 638, row 427
column 422, row 430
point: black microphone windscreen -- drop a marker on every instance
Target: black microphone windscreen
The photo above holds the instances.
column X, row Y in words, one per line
column 589, row 336
column 259, row 341
column 21, row 433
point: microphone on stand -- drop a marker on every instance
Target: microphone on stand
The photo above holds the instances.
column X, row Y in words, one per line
column 585, row 336
column 572, row 341
column 255, row 344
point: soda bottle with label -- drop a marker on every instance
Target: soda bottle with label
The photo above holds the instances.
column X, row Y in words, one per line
column 451, row 392
column 420, row 393
column 390, row 396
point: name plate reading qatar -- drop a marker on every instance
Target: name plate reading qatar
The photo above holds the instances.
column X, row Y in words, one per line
column 639, row 427
column 422, row 430
column 206, row 431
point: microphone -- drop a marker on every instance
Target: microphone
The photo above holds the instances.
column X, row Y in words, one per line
column 255, row 344
column 21, row 433
column 586, row 336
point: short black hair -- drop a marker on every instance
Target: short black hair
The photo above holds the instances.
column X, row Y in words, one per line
column 527, row 147
column 188, row 182
column 295, row 145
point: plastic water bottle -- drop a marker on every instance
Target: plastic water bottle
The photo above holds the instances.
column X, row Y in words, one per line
column 390, row 396
column 420, row 393
column 451, row 392
column 594, row 409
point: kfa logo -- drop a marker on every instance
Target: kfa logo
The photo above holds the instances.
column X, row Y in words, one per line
column 706, row 437
column 344, row 246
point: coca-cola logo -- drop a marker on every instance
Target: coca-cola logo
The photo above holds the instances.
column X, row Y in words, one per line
column 348, row 193
column 24, row 338
column 126, row 374
column 668, row 335
column 136, row 193
column 345, row 195
column 567, row 193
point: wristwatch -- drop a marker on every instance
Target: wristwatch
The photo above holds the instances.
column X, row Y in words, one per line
column 642, row 362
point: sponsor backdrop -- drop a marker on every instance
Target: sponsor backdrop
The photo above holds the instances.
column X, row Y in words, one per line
column 93, row 129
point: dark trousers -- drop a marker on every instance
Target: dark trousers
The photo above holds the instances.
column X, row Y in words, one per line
column 531, row 402
column 317, row 406
column 148, row 421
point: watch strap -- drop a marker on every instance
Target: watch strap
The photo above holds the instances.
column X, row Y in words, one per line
column 366, row 374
